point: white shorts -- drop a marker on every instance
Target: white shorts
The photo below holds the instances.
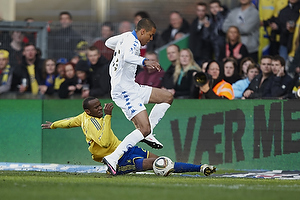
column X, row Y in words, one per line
column 132, row 101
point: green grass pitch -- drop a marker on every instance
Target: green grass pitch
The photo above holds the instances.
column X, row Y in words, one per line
column 60, row 185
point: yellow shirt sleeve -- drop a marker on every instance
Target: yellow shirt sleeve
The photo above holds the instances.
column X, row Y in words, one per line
column 68, row 122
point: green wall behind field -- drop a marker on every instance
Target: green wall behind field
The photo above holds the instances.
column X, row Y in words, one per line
column 238, row 134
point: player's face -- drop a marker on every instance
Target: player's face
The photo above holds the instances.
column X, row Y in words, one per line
column 95, row 108
column 147, row 36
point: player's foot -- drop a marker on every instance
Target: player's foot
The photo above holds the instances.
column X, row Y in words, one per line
column 152, row 142
column 207, row 169
column 111, row 165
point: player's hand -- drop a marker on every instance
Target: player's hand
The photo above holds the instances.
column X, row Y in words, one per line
column 47, row 125
column 108, row 107
column 152, row 64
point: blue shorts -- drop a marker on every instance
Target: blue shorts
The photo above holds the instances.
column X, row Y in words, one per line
column 126, row 163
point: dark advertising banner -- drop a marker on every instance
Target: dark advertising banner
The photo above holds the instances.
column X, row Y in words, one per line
column 238, row 134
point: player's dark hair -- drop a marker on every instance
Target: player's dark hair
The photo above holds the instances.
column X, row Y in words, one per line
column 86, row 102
column 146, row 24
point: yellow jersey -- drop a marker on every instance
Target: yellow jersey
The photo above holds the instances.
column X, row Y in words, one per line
column 98, row 133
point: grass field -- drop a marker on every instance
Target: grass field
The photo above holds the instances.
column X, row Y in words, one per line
column 59, row 185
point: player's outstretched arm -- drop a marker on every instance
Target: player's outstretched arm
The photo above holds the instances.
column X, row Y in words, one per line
column 152, row 64
column 47, row 125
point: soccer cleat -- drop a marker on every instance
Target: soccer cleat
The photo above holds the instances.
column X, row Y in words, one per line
column 152, row 142
column 111, row 166
column 207, row 169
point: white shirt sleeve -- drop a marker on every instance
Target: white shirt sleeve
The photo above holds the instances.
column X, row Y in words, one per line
column 132, row 51
column 113, row 41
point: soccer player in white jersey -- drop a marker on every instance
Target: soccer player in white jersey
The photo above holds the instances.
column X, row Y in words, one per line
column 129, row 95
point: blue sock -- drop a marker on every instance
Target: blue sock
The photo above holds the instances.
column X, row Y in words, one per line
column 139, row 164
column 185, row 167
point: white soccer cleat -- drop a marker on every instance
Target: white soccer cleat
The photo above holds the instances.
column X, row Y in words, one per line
column 152, row 142
column 207, row 169
column 111, row 165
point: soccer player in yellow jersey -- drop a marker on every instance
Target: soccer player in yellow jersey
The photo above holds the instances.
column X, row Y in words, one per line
column 102, row 141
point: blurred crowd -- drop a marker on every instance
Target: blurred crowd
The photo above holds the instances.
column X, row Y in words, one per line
column 224, row 48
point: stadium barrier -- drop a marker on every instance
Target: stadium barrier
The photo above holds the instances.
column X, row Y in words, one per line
column 238, row 134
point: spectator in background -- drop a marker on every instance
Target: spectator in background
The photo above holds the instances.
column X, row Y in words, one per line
column 234, row 46
column 81, row 51
column 244, row 66
column 107, row 30
column 185, row 68
column 246, row 18
column 216, row 87
column 281, row 83
column 231, row 74
column 15, row 48
column 125, row 26
column 28, row 75
column 60, row 68
column 69, row 87
column 217, row 36
column 257, row 87
column 150, row 76
column 167, row 80
column 49, row 74
column 240, row 86
column 83, row 73
column 177, row 24
column 204, row 66
column 29, row 37
column 274, row 36
column 100, row 74
column 5, row 72
column 63, row 41
column 199, row 42
column 286, row 23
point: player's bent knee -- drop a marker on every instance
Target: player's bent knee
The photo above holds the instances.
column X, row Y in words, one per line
column 145, row 130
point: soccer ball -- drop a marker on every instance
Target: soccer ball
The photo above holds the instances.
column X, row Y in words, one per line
column 163, row 166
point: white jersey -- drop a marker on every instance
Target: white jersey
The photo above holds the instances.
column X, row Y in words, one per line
column 126, row 57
